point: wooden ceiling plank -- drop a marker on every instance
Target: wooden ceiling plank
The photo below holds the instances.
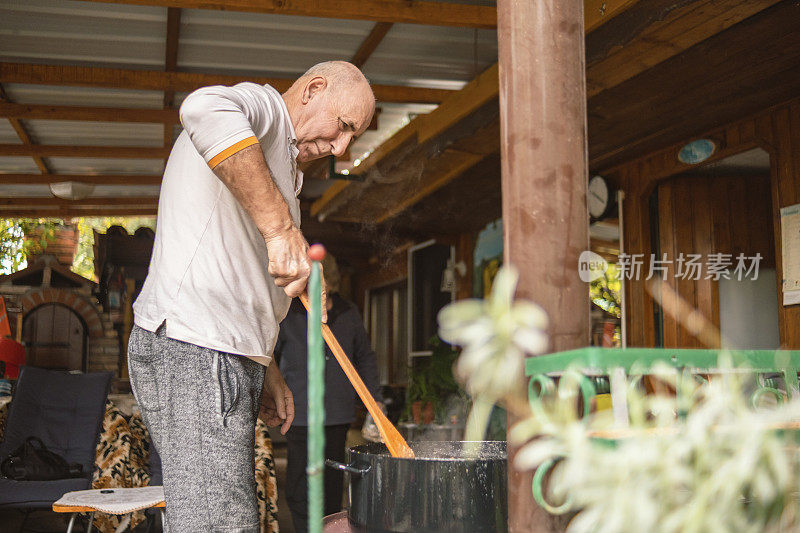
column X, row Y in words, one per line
column 92, row 114
column 726, row 89
column 598, row 12
column 678, row 31
column 370, row 43
column 401, row 11
column 100, row 179
column 22, row 133
column 101, row 152
column 95, row 201
column 153, row 80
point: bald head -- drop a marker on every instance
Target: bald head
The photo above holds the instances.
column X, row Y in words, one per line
column 330, row 104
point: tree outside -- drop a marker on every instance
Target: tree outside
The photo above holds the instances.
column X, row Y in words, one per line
column 15, row 249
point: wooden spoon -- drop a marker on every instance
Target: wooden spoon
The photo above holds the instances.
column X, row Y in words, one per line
column 397, row 445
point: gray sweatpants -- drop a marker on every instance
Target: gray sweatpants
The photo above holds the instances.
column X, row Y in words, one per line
column 200, row 406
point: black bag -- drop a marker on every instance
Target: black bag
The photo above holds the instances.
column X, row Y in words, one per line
column 34, row 462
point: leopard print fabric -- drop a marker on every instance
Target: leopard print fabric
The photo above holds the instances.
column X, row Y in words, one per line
column 123, row 454
column 266, row 480
column 120, row 463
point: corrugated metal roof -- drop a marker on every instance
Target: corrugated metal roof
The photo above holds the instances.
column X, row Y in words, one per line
column 216, row 42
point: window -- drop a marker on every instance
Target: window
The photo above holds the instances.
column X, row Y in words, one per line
column 426, row 264
column 387, row 324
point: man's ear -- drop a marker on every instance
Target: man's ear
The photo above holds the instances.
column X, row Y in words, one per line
column 314, row 87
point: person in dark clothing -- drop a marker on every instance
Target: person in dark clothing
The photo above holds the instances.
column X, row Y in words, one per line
column 340, row 397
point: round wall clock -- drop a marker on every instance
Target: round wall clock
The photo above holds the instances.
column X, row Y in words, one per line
column 599, row 197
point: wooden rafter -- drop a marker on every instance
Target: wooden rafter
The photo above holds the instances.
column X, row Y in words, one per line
column 71, row 75
column 370, row 43
column 96, row 201
column 404, row 11
column 80, row 113
column 99, row 179
column 103, row 152
column 171, row 63
column 22, row 133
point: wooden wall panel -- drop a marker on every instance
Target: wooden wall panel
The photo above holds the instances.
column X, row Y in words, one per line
column 707, row 215
column 776, row 130
column 786, row 191
column 667, row 239
column 639, row 310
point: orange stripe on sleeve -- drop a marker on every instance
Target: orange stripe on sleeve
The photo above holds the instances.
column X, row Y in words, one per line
column 229, row 151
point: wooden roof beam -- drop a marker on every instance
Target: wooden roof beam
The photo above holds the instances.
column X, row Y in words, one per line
column 404, row 11
column 171, row 63
column 370, row 43
column 100, row 152
column 152, row 80
column 93, row 114
column 22, row 133
column 319, row 168
column 100, row 179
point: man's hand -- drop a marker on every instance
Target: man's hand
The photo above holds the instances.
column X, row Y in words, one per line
column 290, row 265
column 277, row 402
column 288, row 260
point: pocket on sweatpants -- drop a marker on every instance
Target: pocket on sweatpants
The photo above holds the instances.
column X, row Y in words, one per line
column 229, row 380
column 145, row 367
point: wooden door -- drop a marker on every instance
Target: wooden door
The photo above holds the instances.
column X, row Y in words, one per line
column 54, row 337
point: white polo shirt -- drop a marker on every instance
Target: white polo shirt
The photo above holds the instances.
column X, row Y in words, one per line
column 208, row 274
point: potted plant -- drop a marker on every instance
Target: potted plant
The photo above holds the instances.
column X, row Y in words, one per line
column 431, row 384
column 418, row 395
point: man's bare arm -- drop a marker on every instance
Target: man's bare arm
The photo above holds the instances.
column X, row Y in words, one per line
column 247, row 176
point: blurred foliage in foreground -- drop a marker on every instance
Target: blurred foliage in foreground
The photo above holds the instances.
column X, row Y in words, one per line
column 701, row 460
column 15, row 249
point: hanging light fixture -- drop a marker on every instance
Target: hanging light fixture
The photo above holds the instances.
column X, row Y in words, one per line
column 71, row 190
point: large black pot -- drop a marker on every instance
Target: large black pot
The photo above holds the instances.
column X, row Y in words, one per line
column 442, row 490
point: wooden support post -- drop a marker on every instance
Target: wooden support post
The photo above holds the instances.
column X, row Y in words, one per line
column 544, row 178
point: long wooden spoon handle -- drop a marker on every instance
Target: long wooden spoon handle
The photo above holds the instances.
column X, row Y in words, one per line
column 395, row 442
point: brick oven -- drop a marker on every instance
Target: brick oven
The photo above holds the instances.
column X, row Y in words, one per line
column 55, row 313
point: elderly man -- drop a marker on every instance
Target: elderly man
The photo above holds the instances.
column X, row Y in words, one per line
column 228, row 257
